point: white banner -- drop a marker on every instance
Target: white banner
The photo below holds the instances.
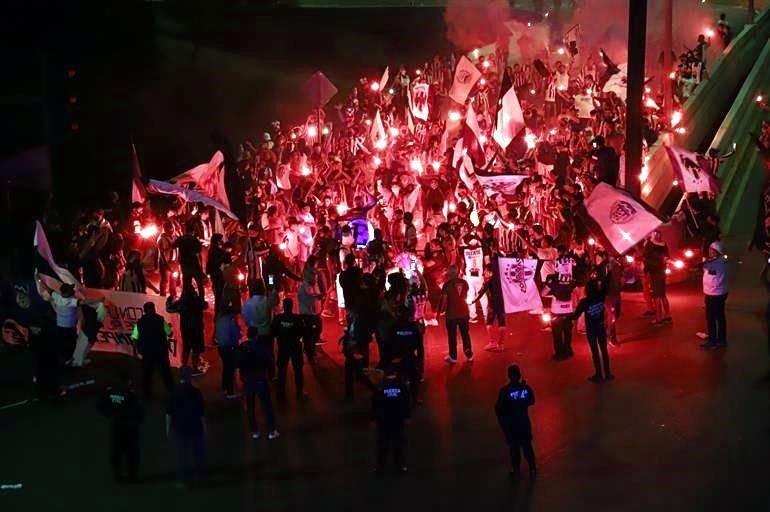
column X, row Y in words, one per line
column 692, row 171
column 517, row 280
column 123, row 311
column 419, row 101
column 466, row 76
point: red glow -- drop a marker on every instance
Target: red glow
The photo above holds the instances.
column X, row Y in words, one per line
column 375, row 86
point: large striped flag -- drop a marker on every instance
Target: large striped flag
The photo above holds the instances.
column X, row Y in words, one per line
column 509, row 119
column 619, row 219
column 48, row 265
column 471, row 137
column 466, row 76
column 692, row 171
column 208, row 178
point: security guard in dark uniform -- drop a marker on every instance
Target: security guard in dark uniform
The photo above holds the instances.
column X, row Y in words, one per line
column 120, row 404
column 390, row 410
column 407, row 343
column 288, row 329
column 511, row 409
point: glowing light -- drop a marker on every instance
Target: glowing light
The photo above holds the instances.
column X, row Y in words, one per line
column 629, row 259
column 675, row 183
column 532, row 92
column 148, row 231
column 560, row 51
column 552, row 131
column 368, row 122
column 546, row 318
column 645, row 172
column 483, row 81
column 650, row 103
column 591, row 241
column 375, row 86
column 293, row 135
column 376, row 161
column 452, row 207
column 672, row 75
column 626, row 236
column 483, row 139
column 681, row 130
column 454, row 116
column 342, row 209
column 668, row 271
column 391, row 91
column 305, row 171
column 678, row 264
column 325, row 131
column 416, row 165
column 561, row 88
column 709, row 33
column 547, row 14
column 418, row 72
column 647, row 90
column 759, row 98
column 529, row 23
column 241, row 277
column 312, row 131
column 676, row 118
column 393, row 131
column 531, row 140
column 476, row 53
column 302, row 230
column 436, row 165
column 381, row 144
column 486, row 64
column 282, row 246
column 688, row 253
column 588, row 91
column 175, row 274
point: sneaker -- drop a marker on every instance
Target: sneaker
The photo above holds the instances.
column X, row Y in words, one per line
column 449, row 359
column 255, row 435
column 702, row 335
column 232, row 396
column 595, row 378
column 469, row 358
column 474, row 320
column 273, row 435
column 490, row 346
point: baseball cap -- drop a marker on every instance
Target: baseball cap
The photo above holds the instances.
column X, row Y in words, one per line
column 717, row 246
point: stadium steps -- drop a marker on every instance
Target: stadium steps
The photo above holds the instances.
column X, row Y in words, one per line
column 743, row 175
column 705, row 110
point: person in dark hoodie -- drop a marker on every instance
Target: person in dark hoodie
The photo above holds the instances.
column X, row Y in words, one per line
column 511, row 408
column 592, row 306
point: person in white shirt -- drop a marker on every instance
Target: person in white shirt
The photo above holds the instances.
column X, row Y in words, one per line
column 65, row 305
column 715, row 291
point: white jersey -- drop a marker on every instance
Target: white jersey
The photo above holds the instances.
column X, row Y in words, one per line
column 474, row 262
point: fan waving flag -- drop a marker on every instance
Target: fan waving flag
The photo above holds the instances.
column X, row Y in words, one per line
column 208, row 178
column 517, row 281
column 691, row 172
column 191, row 196
column 466, row 76
column 138, row 190
column 509, row 120
column 619, row 218
column 40, row 242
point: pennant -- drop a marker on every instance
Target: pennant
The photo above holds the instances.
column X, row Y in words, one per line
column 419, row 101
column 40, row 243
column 505, row 184
column 170, row 189
column 517, row 281
column 466, row 76
column 692, row 171
column 618, row 217
column 385, row 78
column 471, row 137
column 208, row 178
column 138, row 190
column 509, row 119
column 377, row 134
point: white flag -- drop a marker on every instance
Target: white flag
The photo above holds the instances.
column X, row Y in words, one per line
column 517, row 280
column 466, row 76
column 418, row 100
column 377, row 134
column 208, row 178
column 691, row 172
column 40, row 242
column 385, row 78
column 622, row 219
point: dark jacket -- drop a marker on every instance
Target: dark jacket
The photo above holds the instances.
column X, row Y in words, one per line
column 255, row 361
column 511, row 408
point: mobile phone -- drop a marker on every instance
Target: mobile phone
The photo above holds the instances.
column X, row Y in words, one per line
column 270, row 280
